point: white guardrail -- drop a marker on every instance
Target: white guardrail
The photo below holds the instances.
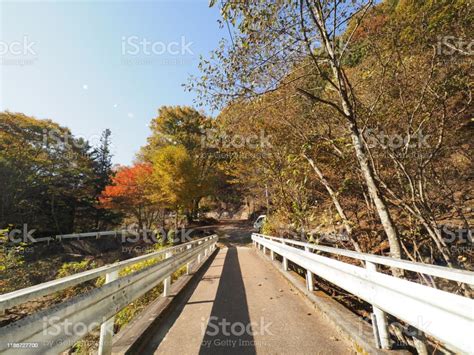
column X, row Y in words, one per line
column 56, row 328
column 443, row 315
column 96, row 235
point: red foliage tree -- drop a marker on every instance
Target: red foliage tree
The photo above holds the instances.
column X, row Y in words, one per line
column 129, row 193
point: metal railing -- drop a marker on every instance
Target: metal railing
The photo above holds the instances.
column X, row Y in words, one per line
column 440, row 314
column 96, row 235
column 55, row 329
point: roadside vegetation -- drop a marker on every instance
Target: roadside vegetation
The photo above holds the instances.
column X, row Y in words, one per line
column 366, row 116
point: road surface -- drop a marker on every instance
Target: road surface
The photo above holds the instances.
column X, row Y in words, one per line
column 242, row 305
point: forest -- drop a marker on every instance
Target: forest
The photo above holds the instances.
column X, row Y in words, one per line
column 369, row 114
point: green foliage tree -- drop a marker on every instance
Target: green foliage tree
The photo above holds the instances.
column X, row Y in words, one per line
column 48, row 178
column 104, row 173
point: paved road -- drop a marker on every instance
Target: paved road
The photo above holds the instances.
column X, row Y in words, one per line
column 240, row 290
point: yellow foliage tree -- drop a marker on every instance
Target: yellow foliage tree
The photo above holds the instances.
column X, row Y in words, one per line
column 175, row 179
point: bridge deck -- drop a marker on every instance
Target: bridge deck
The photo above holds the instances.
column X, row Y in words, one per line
column 239, row 288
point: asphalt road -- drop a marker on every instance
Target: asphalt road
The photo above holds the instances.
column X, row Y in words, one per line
column 242, row 305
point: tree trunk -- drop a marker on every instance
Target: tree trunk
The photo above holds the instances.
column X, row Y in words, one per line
column 194, row 213
column 350, row 117
column 335, row 201
column 375, row 194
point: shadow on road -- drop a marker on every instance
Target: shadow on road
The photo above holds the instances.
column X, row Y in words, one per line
column 182, row 299
column 229, row 320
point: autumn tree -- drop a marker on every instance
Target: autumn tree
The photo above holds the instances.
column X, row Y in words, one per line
column 361, row 66
column 272, row 41
column 176, row 180
column 178, row 142
column 48, row 177
column 129, row 193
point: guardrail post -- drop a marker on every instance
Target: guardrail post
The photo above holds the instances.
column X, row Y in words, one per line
column 309, row 276
column 188, row 265
column 199, row 255
column 107, row 328
column 379, row 320
column 272, row 255
column 285, row 260
column 264, row 249
column 167, row 281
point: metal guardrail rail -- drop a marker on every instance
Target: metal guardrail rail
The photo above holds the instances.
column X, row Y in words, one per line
column 90, row 234
column 51, row 328
column 433, row 270
column 443, row 315
column 77, row 236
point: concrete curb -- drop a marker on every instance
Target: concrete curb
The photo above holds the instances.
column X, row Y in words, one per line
column 348, row 324
column 134, row 337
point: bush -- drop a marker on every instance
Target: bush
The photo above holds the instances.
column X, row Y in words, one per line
column 171, row 237
column 75, row 267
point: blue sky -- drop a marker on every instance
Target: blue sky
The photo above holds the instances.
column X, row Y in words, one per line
column 75, row 62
